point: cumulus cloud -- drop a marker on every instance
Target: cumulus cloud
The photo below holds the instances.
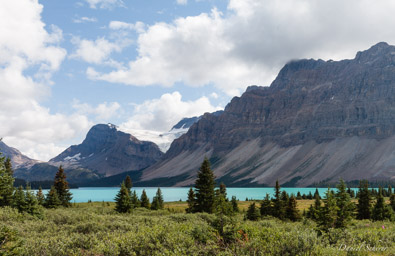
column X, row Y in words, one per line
column 102, row 112
column 25, row 44
column 252, row 41
column 163, row 113
column 104, row 4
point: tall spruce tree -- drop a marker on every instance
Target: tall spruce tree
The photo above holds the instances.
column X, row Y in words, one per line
column 191, row 201
column 144, row 200
column 6, row 182
column 292, row 212
column 204, row 185
column 364, row 206
column 278, row 204
column 62, row 188
column 135, row 200
column 345, row 207
column 123, row 202
column 19, row 200
column 235, row 206
column 32, row 205
column 381, row 211
column 40, row 196
column 314, row 210
column 52, row 199
column 157, row 201
column 128, row 183
column 328, row 213
column 266, row 206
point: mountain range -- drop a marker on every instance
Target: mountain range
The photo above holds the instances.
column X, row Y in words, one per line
column 318, row 121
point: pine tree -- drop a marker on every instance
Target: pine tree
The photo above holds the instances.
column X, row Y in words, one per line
column 32, row 205
column 266, row 206
column 128, row 183
column 252, row 212
column 299, row 196
column 314, row 211
column 381, row 211
column 328, row 214
column 204, row 185
column 278, row 206
column 40, row 196
column 235, row 207
column 344, row 205
column 316, row 193
column 19, row 200
column 191, row 201
column 157, row 201
column 389, row 191
column 222, row 191
column 52, row 199
column 6, row 182
column 135, row 200
column 62, row 188
column 292, row 212
column 364, row 206
column 123, row 202
column 144, row 201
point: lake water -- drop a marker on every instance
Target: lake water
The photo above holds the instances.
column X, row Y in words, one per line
column 171, row 194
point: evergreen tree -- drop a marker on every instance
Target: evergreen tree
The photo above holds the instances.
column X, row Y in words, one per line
column 328, row 214
column 40, row 196
column 204, row 185
column 144, row 201
column 389, row 191
column 252, row 212
column 191, row 201
column 364, row 206
column 157, row 201
column 316, row 193
column 314, row 211
column 222, row 191
column 266, row 206
column 19, row 200
column 128, row 183
column 235, row 206
column 52, row 199
column 292, row 212
column 123, row 202
column 381, row 211
column 135, row 200
column 62, row 188
column 344, row 205
column 32, row 205
column 6, row 182
column 299, row 196
column 278, row 206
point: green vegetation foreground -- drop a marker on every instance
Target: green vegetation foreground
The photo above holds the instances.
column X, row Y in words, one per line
column 96, row 229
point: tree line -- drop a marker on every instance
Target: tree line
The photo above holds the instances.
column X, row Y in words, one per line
column 26, row 200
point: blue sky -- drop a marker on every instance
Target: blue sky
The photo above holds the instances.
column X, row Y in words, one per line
column 144, row 65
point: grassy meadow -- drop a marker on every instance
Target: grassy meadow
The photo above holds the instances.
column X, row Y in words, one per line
column 96, row 229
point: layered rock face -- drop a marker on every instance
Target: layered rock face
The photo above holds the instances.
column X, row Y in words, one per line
column 109, row 151
column 319, row 120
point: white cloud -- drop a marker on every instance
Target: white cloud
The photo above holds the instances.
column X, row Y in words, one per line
column 102, row 112
column 84, row 19
column 117, row 25
column 104, row 4
column 252, row 41
column 94, row 51
column 25, row 44
column 163, row 113
column 182, row 2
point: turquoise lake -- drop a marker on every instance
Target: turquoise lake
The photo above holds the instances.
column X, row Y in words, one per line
column 171, row 194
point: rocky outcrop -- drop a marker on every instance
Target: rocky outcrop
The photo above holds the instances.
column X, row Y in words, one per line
column 18, row 160
column 108, row 151
column 318, row 120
